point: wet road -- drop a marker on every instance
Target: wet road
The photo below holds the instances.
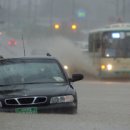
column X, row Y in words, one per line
column 102, row 106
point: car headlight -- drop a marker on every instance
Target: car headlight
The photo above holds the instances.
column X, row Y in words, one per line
column 62, row 99
column 65, row 67
column 103, row 67
column 109, row 67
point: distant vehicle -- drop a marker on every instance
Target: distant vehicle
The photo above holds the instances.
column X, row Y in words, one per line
column 67, row 29
column 109, row 51
column 35, row 85
column 82, row 45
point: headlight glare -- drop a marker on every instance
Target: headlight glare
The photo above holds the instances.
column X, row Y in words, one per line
column 65, row 67
column 103, row 67
column 109, row 67
column 62, row 99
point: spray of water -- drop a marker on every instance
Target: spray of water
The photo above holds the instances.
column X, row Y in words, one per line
column 64, row 50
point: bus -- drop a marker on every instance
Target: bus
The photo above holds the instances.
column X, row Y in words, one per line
column 109, row 51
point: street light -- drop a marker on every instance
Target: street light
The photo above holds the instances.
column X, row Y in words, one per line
column 73, row 10
column 57, row 26
column 51, row 11
column 73, row 26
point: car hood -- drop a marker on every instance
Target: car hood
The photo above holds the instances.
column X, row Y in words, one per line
column 36, row 89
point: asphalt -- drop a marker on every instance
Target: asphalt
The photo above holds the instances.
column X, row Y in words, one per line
column 102, row 106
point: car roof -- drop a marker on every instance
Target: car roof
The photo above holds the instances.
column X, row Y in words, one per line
column 28, row 58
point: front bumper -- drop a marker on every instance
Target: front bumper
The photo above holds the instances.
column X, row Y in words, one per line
column 53, row 108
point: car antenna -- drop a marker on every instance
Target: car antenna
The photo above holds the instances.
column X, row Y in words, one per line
column 1, row 57
column 24, row 51
column 48, row 54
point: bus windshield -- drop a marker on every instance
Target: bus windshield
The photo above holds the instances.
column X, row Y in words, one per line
column 116, row 44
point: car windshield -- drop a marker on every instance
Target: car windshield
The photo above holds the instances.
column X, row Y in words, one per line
column 30, row 72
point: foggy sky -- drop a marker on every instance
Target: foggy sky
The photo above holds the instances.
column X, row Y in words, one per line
column 98, row 12
column 29, row 12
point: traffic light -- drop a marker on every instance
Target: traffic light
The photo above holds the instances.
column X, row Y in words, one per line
column 56, row 26
column 12, row 42
column 74, row 27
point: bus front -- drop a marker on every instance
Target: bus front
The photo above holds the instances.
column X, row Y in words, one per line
column 115, row 53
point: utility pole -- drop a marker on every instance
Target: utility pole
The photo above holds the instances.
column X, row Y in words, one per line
column 1, row 2
column 35, row 11
column 29, row 10
column 19, row 12
column 9, row 12
column 51, row 11
column 73, row 10
column 121, row 10
column 117, row 9
column 124, row 9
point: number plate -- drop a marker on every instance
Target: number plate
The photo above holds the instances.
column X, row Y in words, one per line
column 30, row 110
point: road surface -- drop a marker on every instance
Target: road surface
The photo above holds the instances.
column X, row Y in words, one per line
column 102, row 106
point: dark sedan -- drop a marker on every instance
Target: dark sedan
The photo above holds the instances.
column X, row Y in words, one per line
column 35, row 85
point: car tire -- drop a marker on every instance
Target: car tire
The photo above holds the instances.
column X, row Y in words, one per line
column 72, row 111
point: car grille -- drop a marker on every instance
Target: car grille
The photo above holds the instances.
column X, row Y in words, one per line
column 26, row 100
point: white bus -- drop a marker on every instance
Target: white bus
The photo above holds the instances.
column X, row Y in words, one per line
column 109, row 51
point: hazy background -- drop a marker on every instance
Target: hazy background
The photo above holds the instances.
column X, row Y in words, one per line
column 29, row 22
column 97, row 12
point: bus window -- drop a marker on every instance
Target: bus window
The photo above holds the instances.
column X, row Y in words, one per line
column 97, row 42
column 116, row 44
column 94, row 43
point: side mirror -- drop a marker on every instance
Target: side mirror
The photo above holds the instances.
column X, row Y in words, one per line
column 76, row 77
